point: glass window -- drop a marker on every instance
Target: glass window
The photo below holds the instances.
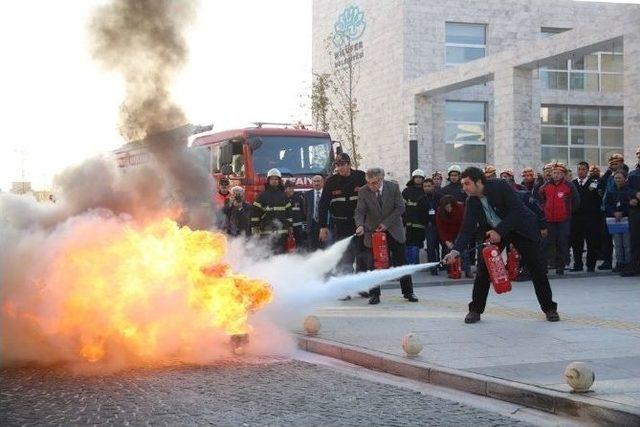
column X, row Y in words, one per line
column 465, row 132
column 554, row 135
column 464, row 153
column 587, row 62
column 611, row 62
column 464, row 42
column 584, row 136
column 583, row 81
column 590, row 155
column 459, row 111
column 552, row 31
column 611, row 82
column 460, row 55
column 554, row 79
column 612, row 137
column 554, row 154
column 292, row 155
column 611, row 116
column 460, row 33
column 581, row 116
column 553, row 115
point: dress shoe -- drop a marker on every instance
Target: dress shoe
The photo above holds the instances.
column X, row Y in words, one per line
column 364, row 294
column 345, row 298
column 577, row 268
column 552, row 315
column 374, row 300
column 411, row 297
column 604, row 266
column 472, row 317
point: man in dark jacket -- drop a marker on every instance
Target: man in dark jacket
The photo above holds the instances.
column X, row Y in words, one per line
column 585, row 221
column 633, row 268
column 415, row 216
column 431, row 199
column 496, row 209
column 616, row 161
column 312, row 209
column 298, row 214
column 271, row 213
column 237, row 213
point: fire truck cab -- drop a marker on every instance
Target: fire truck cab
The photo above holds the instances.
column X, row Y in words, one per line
column 245, row 155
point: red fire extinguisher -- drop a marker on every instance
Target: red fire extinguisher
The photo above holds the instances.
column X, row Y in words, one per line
column 513, row 264
column 496, row 268
column 290, row 245
column 455, row 269
column 380, row 250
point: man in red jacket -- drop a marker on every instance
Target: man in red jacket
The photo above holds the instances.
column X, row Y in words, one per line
column 559, row 200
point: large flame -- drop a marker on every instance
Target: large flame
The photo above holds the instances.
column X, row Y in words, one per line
column 143, row 287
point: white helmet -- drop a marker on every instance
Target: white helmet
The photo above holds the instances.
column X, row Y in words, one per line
column 274, row 172
column 418, row 172
column 454, row 168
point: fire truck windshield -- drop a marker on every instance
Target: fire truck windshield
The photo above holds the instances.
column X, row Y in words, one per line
column 293, row 155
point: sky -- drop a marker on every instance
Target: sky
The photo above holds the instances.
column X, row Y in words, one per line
column 250, row 60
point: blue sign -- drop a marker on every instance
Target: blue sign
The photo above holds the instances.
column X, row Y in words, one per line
column 349, row 27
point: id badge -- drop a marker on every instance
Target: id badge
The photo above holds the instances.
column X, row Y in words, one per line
column 432, row 212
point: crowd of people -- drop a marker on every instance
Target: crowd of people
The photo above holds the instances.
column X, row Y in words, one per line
column 594, row 213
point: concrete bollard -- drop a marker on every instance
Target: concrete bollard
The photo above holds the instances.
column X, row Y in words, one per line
column 311, row 325
column 411, row 344
column 579, row 376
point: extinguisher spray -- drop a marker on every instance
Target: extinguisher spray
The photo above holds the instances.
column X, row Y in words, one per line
column 513, row 263
column 495, row 266
column 380, row 250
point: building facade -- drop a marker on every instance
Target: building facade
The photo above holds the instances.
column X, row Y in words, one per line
column 513, row 83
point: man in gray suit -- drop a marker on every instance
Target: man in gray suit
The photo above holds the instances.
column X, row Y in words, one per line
column 380, row 207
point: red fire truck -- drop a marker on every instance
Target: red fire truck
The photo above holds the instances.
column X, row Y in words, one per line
column 246, row 155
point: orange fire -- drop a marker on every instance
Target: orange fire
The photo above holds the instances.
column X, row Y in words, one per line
column 147, row 290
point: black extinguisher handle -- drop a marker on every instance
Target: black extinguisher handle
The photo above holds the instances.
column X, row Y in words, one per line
column 466, row 252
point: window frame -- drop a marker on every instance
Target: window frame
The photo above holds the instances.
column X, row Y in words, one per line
column 469, row 122
column 464, row 45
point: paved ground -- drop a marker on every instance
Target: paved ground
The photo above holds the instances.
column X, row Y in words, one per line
column 235, row 392
column 600, row 325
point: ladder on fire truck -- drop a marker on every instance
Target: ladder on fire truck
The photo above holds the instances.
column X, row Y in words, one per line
column 294, row 125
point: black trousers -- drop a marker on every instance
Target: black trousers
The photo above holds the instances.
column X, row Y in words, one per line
column 585, row 228
column 634, row 231
column 397, row 258
column 355, row 251
column 606, row 242
column 559, row 240
column 531, row 256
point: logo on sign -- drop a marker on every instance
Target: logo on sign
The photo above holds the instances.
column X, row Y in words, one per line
column 349, row 27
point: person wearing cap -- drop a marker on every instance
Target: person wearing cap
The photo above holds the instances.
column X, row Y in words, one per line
column 496, row 210
column 454, row 187
column 431, row 199
column 509, row 176
column 585, row 219
column 271, row 213
column 633, row 267
column 559, row 200
column 237, row 213
column 298, row 214
column 338, row 203
column 415, row 216
column 616, row 162
column 490, row 172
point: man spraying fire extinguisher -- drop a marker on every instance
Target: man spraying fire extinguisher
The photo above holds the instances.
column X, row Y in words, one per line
column 495, row 208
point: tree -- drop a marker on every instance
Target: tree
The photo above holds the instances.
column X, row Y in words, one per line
column 320, row 102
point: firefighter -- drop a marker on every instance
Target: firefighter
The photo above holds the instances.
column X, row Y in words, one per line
column 271, row 213
column 454, row 188
column 223, row 194
column 339, row 199
column 509, row 176
column 528, row 179
column 298, row 213
column 415, row 216
column 490, row 172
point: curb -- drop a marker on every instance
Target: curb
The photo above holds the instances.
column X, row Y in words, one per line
column 552, row 401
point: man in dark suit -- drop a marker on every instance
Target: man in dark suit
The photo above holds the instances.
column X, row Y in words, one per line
column 585, row 220
column 500, row 214
column 312, row 204
column 380, row 207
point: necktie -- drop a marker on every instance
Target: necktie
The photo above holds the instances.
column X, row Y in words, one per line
column 316, row 205
column 380, row 198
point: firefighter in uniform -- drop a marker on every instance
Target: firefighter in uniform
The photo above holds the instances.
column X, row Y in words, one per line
column 298, row 214
column 271, row 213
column 339, row 199
column 416, row 215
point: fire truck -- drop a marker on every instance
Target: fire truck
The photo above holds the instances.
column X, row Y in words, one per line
column 246, row 155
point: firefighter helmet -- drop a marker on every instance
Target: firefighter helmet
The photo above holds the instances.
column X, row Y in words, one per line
column 418, row 172
column 454, row 168
column 274, row 172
